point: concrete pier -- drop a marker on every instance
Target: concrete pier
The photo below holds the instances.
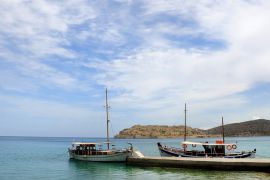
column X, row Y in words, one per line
column 203, row 163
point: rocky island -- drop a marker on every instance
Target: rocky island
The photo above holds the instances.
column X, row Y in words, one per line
column 260, row 127
column 158, row 131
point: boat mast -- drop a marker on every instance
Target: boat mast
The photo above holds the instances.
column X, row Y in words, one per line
column 223, row 130
column 107, row 119
column 185, row 135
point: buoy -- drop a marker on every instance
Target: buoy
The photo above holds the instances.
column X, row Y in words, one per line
column 184, row 145
column 229, row 147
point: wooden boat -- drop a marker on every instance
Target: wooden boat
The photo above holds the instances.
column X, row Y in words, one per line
column 197, row 149
column 99, row 152
column 166, row 151
column 88, row 151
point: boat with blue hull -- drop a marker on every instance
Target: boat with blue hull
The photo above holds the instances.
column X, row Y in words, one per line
column 195, row 149
column 198, row 149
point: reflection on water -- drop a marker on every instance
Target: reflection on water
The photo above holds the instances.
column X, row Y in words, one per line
column 97, row 170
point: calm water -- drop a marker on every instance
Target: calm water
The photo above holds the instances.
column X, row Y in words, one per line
column 47, row 158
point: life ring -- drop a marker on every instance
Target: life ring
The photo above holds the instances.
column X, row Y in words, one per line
column 193, row 145
column 184, row 146
column 229, row 147
column 234, row 146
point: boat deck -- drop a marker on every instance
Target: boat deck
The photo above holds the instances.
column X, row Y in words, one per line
column 246, row 164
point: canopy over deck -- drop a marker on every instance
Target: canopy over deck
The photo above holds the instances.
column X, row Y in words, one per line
column 205, row 143
column 85, row 143
column 91, row 143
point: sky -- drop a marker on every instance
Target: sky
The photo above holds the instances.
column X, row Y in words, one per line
column 57, row 58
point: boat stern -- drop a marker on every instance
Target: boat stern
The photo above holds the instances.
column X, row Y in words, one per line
column 253, row 153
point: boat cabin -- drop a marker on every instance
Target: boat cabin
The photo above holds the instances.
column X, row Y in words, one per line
column 209, row 149
column 89, row 148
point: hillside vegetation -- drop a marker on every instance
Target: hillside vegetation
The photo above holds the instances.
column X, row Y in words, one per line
column 260, row 127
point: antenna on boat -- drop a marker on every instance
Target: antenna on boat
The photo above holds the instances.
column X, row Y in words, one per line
column 185, row 136
column 107, row 119
column 223, row 130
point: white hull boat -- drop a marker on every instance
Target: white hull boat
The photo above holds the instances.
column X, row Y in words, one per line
column 99, row 152
column 99, row 155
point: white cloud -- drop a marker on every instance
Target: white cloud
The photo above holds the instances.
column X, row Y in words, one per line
column 158, row 55
column 256, row 117
column 163, row 76
column 35, row 31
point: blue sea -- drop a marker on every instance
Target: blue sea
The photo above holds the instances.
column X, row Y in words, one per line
column 47, row 158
